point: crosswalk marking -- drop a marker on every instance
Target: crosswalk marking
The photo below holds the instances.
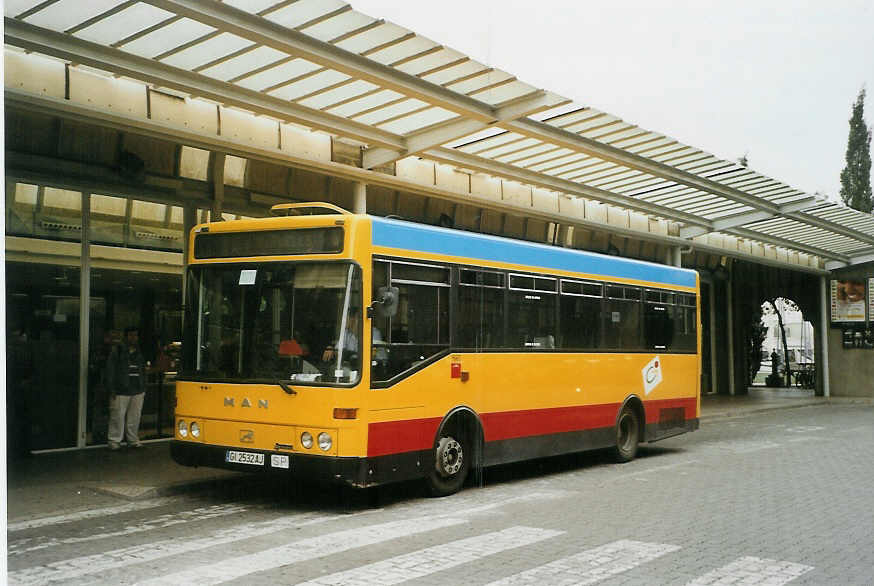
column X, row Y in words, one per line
column 592, row 565
column 494, row 501
column 90, row 514
column 586, row 567
column 93, row 564
column 302, row 550
column 751, row 571
column 25, row 545
column 68, row 569
column 435, row 559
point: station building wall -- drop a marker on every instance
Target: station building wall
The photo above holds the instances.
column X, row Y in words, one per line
column 851, row 362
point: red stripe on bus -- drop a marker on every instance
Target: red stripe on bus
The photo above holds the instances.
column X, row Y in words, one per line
column 393, row 437
column 653, row 408
column 515, row 424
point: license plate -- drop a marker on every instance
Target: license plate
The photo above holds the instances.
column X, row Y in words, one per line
column 278, row 461
column 234, row 457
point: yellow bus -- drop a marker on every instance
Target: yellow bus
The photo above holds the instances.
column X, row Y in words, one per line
column 366, row 350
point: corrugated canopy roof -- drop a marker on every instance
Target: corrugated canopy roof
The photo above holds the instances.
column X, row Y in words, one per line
column 322, row 64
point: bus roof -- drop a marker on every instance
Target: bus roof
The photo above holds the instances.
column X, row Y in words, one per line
column 405, row 235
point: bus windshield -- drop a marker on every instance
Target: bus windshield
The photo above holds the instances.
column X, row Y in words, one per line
column 276, row 321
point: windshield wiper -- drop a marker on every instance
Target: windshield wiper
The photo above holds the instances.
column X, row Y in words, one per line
column 286, row 387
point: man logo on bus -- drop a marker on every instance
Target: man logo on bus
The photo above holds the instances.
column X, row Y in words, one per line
column 652, row 375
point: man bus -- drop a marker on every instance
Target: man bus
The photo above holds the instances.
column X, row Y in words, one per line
column 366, row 350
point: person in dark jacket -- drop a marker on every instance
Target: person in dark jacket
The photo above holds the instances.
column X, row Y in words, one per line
column 126, row 382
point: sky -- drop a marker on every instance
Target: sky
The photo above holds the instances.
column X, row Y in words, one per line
column 774, row 80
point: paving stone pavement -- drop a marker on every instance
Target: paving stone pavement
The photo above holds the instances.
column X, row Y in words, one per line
column 774, row 497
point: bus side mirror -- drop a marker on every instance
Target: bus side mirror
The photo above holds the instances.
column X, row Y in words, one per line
column 385, row 304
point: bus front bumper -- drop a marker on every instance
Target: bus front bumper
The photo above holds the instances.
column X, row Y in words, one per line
column 350, row 471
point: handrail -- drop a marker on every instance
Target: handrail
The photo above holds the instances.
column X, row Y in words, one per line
column 289, row 208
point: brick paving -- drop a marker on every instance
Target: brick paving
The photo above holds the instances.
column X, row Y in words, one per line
column 774, row 497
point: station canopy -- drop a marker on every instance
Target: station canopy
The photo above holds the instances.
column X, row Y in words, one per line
column 326, row 66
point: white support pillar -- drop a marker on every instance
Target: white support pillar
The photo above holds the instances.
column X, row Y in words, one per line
column 359, row 197
column 674, row 256
column 730, row 337
column 823, row 333
column 84, row 321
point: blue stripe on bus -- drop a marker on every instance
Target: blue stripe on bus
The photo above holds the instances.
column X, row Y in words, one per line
column 423, row 238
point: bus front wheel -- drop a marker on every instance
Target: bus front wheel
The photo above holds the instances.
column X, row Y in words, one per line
column 627, row 435
column 452, row 457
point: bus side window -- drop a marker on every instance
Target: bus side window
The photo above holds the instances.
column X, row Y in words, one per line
column 686, row 324
column 480, row 319
column 532, row 312
column 622, row 329
column 580, row 309
column 420, row 328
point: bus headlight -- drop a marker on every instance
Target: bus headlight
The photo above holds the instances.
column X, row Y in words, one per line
column 195, row 429
column 306, row 439
column 183, row 428
column 325, row 441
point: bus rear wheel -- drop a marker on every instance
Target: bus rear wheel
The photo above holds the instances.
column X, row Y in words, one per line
column 627, row 435
column 452, row 458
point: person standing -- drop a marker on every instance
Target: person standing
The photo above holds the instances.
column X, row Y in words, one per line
column 126, row 382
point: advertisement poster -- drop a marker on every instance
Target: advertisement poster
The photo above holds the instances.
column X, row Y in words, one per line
column 848, row 301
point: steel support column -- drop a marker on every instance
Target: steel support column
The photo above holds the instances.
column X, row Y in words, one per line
column 189, row 219
column 714, row 363
column 359, row 193
column 823, row 333
column 729, row 302
column 218, row 186
column 84, row 321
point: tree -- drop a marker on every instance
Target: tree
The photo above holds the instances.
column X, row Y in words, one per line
column 755, row 336
column 778, row 306
column 856, row 176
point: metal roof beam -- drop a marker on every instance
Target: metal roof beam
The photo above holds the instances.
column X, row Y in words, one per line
column 264, row 32
column 856, row 258
column 465, row 161
column 832, row 227
column 76, row 50
column 863, row 256
column 580, row 143
column 435, row 136
column 26, row 102
column 748, row 218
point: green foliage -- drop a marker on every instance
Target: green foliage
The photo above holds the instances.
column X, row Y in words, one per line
column 856, row 176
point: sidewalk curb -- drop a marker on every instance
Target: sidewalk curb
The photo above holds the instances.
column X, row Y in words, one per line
column 136, row 492
column 745, row 412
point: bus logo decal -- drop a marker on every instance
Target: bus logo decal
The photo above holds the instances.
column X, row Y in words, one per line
column 652, row 375
column 247, row 436
column 262, row 403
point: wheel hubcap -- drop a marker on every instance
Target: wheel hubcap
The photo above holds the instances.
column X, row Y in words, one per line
column 449, row 456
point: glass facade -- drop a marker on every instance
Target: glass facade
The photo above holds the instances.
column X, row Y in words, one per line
column 44, row 359
column 42, row 356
